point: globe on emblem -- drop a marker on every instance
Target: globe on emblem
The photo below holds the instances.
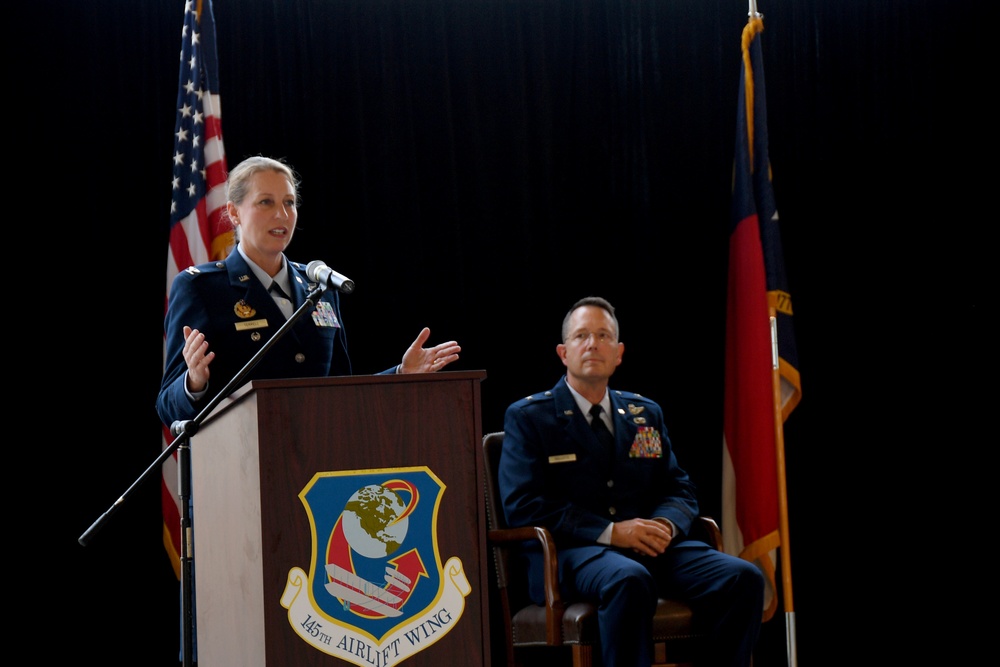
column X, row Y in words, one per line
column 371, row 521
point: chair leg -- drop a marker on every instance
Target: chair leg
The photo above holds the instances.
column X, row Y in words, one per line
column 583, row 655
column 660, row 657
column 659, row 653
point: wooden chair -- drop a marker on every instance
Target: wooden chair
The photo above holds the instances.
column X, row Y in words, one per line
column 565, row 623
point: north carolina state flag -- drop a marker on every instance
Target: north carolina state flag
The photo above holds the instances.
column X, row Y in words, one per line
column 750, row 483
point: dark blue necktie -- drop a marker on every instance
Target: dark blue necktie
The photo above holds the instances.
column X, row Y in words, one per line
column 600, row 428
column 286, row 307
column 275, row 288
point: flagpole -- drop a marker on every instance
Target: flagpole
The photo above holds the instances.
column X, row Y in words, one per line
column 785, row 550
column 779, row 444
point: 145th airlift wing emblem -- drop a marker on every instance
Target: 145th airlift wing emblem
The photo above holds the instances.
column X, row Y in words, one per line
column 376, row 593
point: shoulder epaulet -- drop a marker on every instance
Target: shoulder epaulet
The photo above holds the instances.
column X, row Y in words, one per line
column 207, row 267
column 631, row 395
column 546, row 395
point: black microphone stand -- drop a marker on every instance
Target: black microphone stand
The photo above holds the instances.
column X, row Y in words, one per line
column 183, row 431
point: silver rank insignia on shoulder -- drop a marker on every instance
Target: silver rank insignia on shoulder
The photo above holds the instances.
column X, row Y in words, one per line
column 193, row 270
column 635, row 409
column 324, row 315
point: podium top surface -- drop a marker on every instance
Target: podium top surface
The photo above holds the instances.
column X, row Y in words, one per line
column 366, row 379
column 340, row 380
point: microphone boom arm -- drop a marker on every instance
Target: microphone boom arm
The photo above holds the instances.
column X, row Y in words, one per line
column 183, row 431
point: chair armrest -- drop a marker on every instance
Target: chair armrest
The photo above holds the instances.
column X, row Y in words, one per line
column 708, row 530
column 554, row 606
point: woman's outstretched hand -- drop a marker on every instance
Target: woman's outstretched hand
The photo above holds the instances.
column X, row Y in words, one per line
column 418, row 359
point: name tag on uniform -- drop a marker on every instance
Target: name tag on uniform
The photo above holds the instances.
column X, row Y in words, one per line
column 251, row 324
column 562, row 458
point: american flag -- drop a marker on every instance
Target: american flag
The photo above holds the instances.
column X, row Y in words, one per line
column 197, row 233
column 762, row 378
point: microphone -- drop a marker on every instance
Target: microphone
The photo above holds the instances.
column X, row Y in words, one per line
column 318, row 271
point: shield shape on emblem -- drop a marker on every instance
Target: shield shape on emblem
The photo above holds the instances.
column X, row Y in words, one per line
column 375, row 561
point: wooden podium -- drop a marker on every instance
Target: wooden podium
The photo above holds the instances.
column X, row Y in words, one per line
column 375, row 471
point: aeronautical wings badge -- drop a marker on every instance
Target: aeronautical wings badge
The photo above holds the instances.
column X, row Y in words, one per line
column 376, row 593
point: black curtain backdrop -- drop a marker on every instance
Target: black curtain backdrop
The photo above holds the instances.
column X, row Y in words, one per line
column 475, row 167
